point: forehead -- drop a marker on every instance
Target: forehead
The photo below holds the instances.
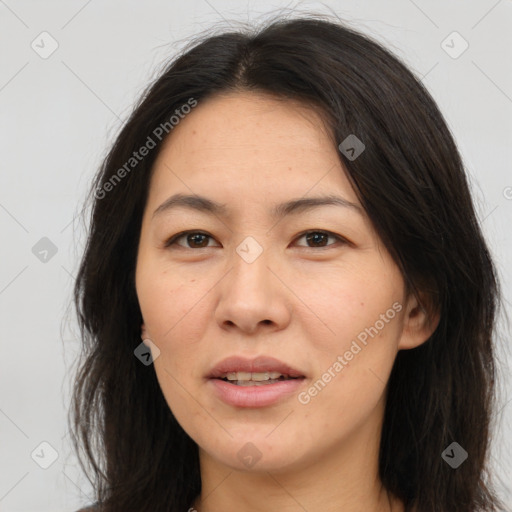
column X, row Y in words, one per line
column 250, row 144
column 235, row 115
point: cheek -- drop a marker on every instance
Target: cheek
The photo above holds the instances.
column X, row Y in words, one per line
column 341, row 304
column 176, row 319
column 351, row 377
column 363, row 322
column 167, row 303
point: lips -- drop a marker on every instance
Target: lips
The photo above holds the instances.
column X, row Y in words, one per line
column 254, row 385
column 261, row 364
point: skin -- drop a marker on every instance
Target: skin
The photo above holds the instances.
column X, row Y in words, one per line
column 301, row 302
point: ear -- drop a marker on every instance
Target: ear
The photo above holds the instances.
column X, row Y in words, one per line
column 420, row 321
column 143, row 332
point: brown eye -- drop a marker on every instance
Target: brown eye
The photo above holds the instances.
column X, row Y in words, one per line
column 194, row 240
column 319, row 239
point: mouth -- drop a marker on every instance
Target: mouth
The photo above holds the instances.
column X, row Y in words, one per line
column 258, row 382
column 262, row 369
column 256, row 378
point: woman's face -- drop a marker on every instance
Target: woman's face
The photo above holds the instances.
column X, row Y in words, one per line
column 330, row 305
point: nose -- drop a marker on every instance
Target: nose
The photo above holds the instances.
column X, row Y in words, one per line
column 252, row 297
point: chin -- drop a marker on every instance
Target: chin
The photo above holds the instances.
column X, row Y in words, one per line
column 257, row 454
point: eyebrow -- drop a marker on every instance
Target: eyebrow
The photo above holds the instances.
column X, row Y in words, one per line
column 294, row 206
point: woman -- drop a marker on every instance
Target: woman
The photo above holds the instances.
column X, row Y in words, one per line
column 234, row 357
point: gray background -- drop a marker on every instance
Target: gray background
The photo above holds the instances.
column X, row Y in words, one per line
column 58, row 116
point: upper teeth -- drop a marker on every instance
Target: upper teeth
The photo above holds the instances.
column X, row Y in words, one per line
column 253, row 376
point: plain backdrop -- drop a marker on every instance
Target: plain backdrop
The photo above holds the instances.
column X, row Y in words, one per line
column 59, row 113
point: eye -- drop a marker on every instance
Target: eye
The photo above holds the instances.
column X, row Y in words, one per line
column 318, row 237
column 199, row 240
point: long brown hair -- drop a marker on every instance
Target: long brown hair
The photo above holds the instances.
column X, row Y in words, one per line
column 411, row 181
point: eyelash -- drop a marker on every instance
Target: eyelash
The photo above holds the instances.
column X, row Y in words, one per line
column 172, row 240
